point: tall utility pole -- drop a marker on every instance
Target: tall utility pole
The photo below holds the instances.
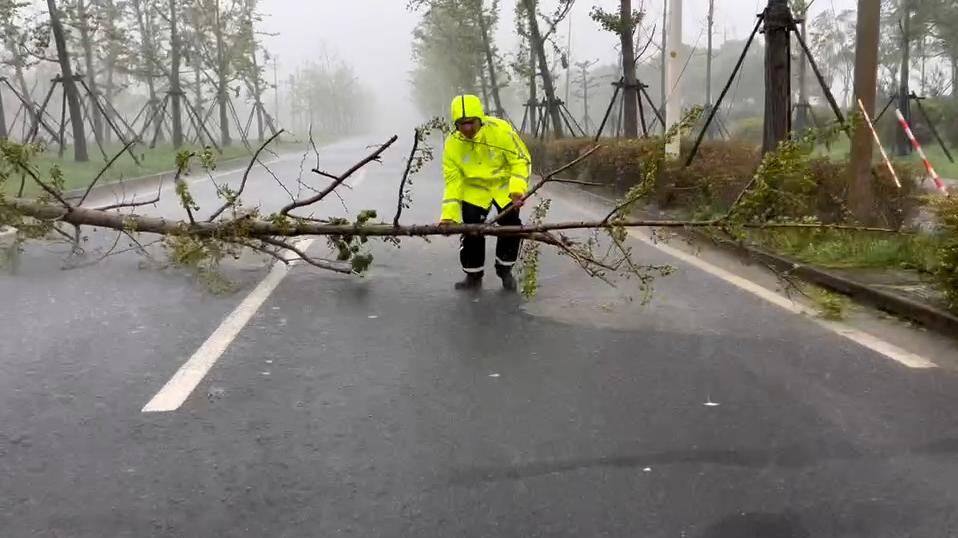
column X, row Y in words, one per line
column 673, row 65
column 778, row 73
column 861, row 196
column 903, row 145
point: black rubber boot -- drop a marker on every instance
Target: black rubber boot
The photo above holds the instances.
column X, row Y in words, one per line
column 471, row 282
column 508, row 281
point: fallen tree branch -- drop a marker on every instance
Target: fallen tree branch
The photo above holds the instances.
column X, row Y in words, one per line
column 374, row 156
column 546, row 179
column 242, row 186
column 322, row 264
column 258, row 228
column 405, row 177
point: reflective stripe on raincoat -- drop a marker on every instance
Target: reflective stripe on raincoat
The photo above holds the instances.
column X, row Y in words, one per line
column 490, row 167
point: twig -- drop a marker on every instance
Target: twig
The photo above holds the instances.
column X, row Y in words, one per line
column 313, row 199
column 325, row 174
column 323, row 264
column 405, row 177
column 579, row 182
column 50, row 190
column 242, row 186
column 134, row 203
column 546, row 179
column 103, row 171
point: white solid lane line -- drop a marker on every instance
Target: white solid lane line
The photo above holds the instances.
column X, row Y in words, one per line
column 869, row 341
column 185, row 380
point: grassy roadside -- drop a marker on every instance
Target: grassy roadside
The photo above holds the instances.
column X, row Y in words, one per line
column 841, row 249
column 152, row 161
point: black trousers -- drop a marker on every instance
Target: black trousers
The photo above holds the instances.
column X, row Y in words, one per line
column 472, row 253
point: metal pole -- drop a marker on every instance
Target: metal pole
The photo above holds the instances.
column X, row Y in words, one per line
column 673, row 104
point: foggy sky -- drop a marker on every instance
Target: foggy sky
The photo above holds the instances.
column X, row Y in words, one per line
column 374, row 36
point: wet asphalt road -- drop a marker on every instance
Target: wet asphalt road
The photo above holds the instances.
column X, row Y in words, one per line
column 392, row 406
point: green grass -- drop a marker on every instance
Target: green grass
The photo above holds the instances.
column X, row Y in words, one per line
column 831, row 306
column 78, row 175
column 850, row 249
column 944, row 167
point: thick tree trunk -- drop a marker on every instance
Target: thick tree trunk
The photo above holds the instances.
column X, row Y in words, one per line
column 778, row 73
column 176, row 91
column 221, row 90
column 630, row 91
column 86, row 43
column 548, row 85
column 69, row 84
column 861, row 193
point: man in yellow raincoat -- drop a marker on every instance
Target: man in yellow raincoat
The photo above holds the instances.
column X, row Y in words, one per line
column 485, row 163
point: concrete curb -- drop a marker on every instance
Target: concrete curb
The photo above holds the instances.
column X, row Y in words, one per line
column 125, row 186
column 927, row 315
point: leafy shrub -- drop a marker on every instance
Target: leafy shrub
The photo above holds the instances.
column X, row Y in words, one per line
column 947, row 272
column 718, row 174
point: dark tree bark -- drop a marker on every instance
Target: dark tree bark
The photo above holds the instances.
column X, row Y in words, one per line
column 861, row 193
column 630, row 92
column 69, row 84
column 778, row 94
column 3, row 118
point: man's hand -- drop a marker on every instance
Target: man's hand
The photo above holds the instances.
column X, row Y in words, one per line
column 518, row 199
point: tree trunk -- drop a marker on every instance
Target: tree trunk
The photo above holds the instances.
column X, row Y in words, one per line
column 861, row 195
column 548, row 85
column 109, row 87
column 176, row 91
column 778, row 73
column 221, row 89
column 86, row 43
column 490, row 59
column 257, row 87
column 630, row 92
column 3, row 118
column 69, row 84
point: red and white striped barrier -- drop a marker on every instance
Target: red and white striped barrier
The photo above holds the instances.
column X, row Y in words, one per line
column 884, row 156
column 914, row 142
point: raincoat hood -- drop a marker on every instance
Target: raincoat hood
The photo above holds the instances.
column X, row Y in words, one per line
column 466, row 106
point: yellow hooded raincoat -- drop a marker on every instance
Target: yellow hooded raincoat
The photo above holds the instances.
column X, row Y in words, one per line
column 489, row 167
